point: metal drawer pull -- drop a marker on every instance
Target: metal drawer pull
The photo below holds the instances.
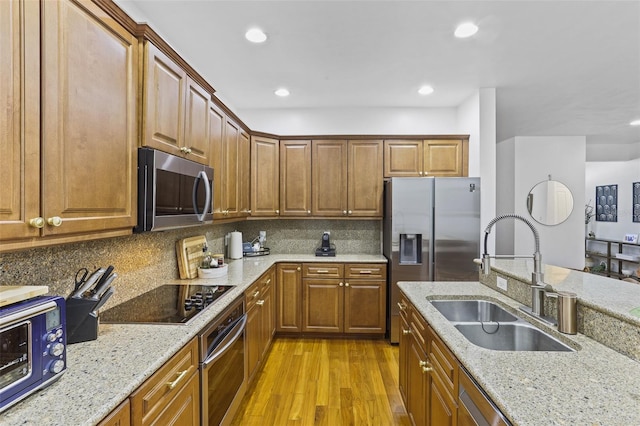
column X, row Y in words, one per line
column 323, row 271
column 401, row 306
column 365, row 272
column 268, row 281
column 405, row 331
column 260, row 302
column 256, row 294
column 425, row 366
column 181, row 375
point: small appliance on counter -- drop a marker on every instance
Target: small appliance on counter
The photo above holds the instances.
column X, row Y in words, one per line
column 256, row 246
column 33, row 344
column 91, row 292
column 234, row 245
column 326, row 248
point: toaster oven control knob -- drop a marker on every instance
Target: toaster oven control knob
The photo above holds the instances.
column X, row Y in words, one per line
column 56, row 366
column 56, row 349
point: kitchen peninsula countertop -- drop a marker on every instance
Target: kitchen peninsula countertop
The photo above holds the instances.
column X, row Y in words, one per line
column 102, row 373
column 593, row 386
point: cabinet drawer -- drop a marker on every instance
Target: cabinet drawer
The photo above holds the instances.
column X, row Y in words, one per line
column 151, row 398
column 252, row 295
column 366, row 270
column 322, row 270
column 419, row 329
column 444, row 363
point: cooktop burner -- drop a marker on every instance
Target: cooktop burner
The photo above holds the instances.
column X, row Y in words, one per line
column 167, row 304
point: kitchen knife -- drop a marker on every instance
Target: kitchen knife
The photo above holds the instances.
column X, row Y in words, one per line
column 103, row 300
column 102, row 280
column 102, row 288
column 88, row 283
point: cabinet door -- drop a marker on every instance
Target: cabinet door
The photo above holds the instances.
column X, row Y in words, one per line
column 295, row 178
column 20, row 120
column 289, row 297
column 402, row 158
column 164, row 102
column 443, row 158
column 265, row 177
column 417, row 384
column 442, row 408
column 268, row 317
column 329, row 180
column 184, row 409
column 365, row 304
column 365, row 179
column 323, row 305
column 196, row 134
column 89, row 131
column 231, row 192
column 253, row 342
column 403, row 359
column 217, row 124
column 244, row 174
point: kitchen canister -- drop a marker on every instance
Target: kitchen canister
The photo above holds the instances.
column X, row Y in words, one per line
column 235, row 245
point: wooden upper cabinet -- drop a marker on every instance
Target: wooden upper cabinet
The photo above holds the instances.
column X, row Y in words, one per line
column 365, row 180
column 329, row 177
column 402, row 158
column 196, row 136
column 244, row 173
column 89, row 119
column 295, row 178
column 217, row 124
column 444, row 157
column 20, row 120
column 164, row 102
column 176, row 109
column 265, row 177
column 431, row 157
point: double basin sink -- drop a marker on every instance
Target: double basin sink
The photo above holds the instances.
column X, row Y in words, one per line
column 488, row 325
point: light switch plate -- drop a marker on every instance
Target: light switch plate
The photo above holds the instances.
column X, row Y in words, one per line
column 502, row 283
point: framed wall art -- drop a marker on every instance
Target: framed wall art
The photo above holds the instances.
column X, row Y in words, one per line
column 636, row 201
column 607, row 203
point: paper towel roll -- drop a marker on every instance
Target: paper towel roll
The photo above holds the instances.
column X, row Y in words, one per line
column 235, row 245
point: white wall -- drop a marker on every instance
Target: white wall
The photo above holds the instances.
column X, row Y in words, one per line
column 351, row 121
column 622, row 173
column 534, row 159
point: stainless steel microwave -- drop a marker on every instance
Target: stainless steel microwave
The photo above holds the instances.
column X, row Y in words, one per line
column 173, row 192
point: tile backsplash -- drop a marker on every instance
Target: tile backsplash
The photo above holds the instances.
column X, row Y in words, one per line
column 145, row 261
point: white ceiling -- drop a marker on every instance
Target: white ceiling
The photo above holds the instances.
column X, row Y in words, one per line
column 559, row 67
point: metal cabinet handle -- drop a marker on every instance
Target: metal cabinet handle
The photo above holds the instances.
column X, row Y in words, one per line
column 365, row 272
column 54, row 221
column 323, row 271
column 256, row 294
column 277, row 211
column 308, row 211
column 260, row 302
column 420, row 173
column 426, row 367
column 181, row 374
column 344, row 212
column 268, row 281
column 405, row 331
column 340, row 285
column 402, row 306
column 37, row 222
column 298, row 268
column 346, row 284
column 350, row 211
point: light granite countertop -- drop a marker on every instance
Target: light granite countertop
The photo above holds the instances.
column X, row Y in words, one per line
column 594, row 385
column 615, row 297
column 104, row 372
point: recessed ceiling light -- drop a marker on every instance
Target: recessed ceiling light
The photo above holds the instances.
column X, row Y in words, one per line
column 635, row 123
column 255, row 35
column 466, row 29
column 282, row 92
column 425, row 90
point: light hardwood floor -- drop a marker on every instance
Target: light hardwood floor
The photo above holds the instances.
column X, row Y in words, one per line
column 326, row 382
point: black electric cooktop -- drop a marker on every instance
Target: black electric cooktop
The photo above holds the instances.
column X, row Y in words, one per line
column 167, row 304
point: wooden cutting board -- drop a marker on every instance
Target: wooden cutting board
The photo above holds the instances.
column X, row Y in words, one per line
column 189, row 252
column 17, row 293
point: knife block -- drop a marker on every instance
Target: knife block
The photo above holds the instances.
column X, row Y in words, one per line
column 82, row 320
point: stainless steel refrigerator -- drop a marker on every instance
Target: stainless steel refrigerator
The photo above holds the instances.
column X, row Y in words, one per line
column 431, row 232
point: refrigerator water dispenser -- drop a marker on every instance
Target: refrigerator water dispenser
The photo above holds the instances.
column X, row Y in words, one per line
column 410, row 249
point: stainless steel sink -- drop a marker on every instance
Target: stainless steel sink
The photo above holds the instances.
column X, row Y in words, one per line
column 518, row 336
column 490, row 326
column 472, row 310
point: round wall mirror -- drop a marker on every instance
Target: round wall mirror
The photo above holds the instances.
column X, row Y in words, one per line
column 550, row 202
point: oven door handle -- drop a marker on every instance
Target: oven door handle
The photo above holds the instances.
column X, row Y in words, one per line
column 234, row 334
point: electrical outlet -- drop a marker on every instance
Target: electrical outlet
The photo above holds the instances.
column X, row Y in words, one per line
column 502, row 283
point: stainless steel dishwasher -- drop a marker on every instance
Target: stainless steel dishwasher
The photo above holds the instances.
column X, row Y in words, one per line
column 475, row 407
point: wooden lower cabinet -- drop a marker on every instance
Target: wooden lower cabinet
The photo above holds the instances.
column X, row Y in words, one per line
column 172, row 395
column 260, row 321
column 289, row 298
column 349, row 299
